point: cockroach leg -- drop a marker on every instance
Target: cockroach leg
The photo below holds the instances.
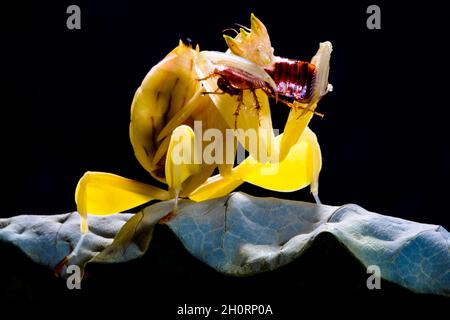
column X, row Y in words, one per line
column 257, row 105
column 308, row 109
column 211, row 75
column 240, row 98
column 213, row 92
column 296, row 107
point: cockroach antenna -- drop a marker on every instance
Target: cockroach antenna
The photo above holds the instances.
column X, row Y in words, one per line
column 231, row 29
column 243, row 27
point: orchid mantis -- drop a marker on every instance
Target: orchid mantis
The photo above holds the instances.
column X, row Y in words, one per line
column 172, row 98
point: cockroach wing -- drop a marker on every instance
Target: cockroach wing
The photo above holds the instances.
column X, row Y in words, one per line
column 254, row 123
column 217, row 58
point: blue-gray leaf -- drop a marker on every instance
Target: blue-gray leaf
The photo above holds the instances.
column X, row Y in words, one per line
column 244, row 235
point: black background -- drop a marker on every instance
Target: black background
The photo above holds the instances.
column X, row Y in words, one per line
column 65, row 110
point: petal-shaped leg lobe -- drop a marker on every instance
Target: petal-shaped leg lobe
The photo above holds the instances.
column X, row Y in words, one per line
column 293, row 129
column 300, row 167
column 215, row 187
column 182, row 159
column 101, row 193
column 163, row 93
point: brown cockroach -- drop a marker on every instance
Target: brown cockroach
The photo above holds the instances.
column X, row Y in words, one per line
column 294, row 80
column 292, row 83
column 234, row 81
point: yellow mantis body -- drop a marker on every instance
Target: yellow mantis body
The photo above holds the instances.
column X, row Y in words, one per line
column 171, row 100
